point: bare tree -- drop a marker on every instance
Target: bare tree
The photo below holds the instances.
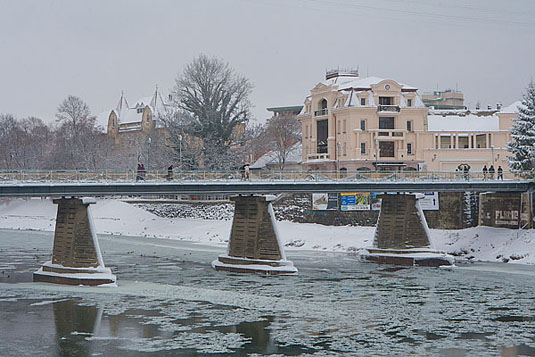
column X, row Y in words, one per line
column 255, row 142
column 24, row 144
column 283, row 131
column 217, row 100
column 9, row 133
column 35, row 143
column 77, row 136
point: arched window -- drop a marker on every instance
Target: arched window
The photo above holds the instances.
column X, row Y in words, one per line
column 322, row 108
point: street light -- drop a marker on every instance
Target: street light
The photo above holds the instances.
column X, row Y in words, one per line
column 149, row 141
column 492, row 150
column 180, row 150
column 376, row 152
column 338, row 146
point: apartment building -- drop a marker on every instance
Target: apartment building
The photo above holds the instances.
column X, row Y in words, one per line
column 444, row 99
column 353, row 123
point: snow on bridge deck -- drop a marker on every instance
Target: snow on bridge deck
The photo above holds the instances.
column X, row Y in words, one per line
column 253, row 187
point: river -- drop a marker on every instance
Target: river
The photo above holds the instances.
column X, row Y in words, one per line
column 169, row 301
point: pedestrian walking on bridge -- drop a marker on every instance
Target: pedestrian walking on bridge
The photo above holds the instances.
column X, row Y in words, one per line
column 170, row 173
column 485, row 171
column 491, row 172
column 500, row 173
column 247, row 172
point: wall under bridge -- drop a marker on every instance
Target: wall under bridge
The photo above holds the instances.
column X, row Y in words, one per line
column 458, row 210
column 507, row 210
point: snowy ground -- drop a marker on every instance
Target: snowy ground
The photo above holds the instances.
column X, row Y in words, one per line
column 118, row 218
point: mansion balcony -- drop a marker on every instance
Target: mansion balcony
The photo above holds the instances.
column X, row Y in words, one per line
column 389, row 134
column 321, row 112
column 318, row 156
column 388, row 108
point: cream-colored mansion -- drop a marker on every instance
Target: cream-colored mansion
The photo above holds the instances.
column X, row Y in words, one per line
column 353, row 123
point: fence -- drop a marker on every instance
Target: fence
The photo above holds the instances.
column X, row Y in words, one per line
column 236, row 175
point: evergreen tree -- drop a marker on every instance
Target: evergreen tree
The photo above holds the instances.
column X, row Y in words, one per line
column 523, row 133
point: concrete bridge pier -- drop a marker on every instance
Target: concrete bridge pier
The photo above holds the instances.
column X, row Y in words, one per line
column 76, row 256
column 254, row 244
column 402, row 235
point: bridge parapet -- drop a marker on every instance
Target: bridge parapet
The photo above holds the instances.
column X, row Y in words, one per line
column 260, row 175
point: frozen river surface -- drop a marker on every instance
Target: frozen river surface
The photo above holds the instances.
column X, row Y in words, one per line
column 170, row 302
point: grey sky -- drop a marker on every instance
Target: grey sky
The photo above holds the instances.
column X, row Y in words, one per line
column 95, row 49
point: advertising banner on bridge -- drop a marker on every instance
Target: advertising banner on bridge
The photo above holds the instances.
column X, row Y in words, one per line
column 355, row 201
column 375, row 201
column 430, row 201
column 324, row 201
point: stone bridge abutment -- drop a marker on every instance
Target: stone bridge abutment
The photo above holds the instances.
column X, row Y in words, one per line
column 76, row 255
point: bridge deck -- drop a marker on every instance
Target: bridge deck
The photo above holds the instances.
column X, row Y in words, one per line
column 55, row 189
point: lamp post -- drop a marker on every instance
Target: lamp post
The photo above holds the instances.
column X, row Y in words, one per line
column 376, row 152
column 492, row 151
column 149, row 141
column 180, row 150
column 338, row 146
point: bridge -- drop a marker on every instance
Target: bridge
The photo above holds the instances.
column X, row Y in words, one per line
column 55, row 189
column 401, row 236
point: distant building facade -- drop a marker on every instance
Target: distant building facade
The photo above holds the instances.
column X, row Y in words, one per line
column 353, row 123
column 140, row 119
column 270, row 160
column 444, row 99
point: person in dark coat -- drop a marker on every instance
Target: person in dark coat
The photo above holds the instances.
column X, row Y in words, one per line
column 485, row 171
column 491, row 172
column 170, row 173
column 247, row 172
column 466, row 169
column 242, row 172
column 139, row 174
column 143, row 171
column 500, row 173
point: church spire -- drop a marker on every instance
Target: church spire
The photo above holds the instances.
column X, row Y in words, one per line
column 122, row 105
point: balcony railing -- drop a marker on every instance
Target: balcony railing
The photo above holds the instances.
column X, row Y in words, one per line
column 395, row 134
column 321, row 112
column 318, row 157
column 387, row 108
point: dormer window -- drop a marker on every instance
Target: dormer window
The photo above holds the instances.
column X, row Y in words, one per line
column 139, row 110
column 409, row 102
column 362, row 101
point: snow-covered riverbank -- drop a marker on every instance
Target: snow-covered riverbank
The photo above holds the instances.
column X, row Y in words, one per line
column 119, row 218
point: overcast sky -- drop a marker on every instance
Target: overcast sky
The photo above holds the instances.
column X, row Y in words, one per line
column 95, row 49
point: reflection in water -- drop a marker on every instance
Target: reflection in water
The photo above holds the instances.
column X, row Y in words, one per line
column 73, row 323
column 335, row 306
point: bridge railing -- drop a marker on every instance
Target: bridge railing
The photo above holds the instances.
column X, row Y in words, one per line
column 236, row 175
